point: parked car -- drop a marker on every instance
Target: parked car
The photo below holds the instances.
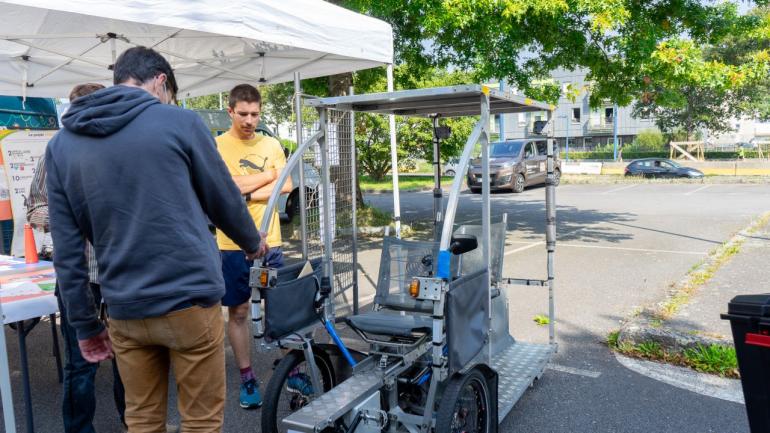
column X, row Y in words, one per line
column 288, row 204
column 660, row 168
column 450, row 166
column 513, row 165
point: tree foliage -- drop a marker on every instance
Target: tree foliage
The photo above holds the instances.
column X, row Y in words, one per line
column 522, row 41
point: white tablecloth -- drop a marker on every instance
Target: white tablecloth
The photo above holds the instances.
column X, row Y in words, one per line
column 26, row 291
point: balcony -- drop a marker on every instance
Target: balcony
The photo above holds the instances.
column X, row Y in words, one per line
column 602, row 127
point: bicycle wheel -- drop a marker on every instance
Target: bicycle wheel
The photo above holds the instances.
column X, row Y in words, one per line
column 464, row 407
column 290, row 388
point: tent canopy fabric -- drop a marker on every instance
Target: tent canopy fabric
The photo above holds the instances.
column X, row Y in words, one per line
column 48, row 46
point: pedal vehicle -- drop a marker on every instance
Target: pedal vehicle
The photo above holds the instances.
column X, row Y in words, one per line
column 439, row 356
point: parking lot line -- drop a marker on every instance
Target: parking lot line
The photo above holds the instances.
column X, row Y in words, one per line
column 643, row 250
column 575, row 371
column 696, row 190
column 622, row 188
column 525, row 247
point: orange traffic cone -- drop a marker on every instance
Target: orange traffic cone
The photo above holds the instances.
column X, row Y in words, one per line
column 30, row 248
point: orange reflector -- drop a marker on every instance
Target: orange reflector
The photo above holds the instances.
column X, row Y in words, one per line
column 263, row 279
column 414, row 288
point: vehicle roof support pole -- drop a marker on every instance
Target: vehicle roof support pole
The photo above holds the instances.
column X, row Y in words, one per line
column 394, row 160
column 302, row 193
column 326, row 208
column 294, row 160
column 454, row 197
column 550, row 229
column 354, row 179
column 437, row 193
column 485, row 207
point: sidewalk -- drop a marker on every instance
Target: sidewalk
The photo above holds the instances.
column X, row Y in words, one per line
column 747, row 273
column 690, row 316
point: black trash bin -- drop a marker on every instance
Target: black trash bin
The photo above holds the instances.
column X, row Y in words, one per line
column 749, row 317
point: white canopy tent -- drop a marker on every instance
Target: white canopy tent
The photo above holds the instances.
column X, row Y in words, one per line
column 49, row 46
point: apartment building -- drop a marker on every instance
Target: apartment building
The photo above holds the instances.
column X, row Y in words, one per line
column 586, row 128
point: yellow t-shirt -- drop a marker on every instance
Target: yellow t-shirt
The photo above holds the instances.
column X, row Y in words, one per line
column 244, row 157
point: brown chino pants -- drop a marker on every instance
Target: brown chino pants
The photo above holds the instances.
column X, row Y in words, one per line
column 191, row 341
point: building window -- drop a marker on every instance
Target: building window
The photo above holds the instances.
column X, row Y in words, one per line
column 609, row 115
column 576, row 115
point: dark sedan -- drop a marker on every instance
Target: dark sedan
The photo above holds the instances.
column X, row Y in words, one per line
column 660, row 167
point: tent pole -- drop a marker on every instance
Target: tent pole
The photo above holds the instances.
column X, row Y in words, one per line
column 394, row 160
column 5, row 384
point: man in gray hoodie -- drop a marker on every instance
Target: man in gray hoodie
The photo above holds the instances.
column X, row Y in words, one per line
column 140, row 179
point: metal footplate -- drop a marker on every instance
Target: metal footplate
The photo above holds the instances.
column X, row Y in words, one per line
column 517, row 367
column 326, row 409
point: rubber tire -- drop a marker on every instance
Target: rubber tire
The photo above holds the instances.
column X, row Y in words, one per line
column 517, row 186
column 277, row 380
column 292, row 204
column 450, row 173
column 451, row 394
column 556, row 177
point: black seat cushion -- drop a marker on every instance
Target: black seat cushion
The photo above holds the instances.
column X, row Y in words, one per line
column 391, row 323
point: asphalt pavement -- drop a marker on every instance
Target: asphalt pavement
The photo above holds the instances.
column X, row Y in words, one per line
column 619, row 247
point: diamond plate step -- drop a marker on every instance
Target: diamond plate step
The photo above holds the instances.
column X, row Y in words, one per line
column 517, row 367
column 327, row 408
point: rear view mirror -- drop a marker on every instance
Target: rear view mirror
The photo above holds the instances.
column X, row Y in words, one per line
column 461, row 244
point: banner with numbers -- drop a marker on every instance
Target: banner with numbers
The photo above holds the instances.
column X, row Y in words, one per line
column 21, row 152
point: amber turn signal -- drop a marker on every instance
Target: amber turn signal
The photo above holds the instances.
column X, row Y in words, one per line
column 414, row 288
column 263, row 279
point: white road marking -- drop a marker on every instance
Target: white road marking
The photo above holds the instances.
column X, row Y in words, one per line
column 696, row 190
column 526, row 247
column 646, row 250
column 575, row 371
column 684, row 378
column 558, row 235
column 620, row 189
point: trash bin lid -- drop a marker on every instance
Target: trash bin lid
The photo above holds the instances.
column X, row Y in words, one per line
column 750, row 305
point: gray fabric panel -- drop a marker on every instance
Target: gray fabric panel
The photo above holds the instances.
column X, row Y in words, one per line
column 383, row 323
column 467, row 323
column 290, row 305
column 473, row 261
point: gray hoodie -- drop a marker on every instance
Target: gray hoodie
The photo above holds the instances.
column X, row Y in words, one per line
column 138, row 179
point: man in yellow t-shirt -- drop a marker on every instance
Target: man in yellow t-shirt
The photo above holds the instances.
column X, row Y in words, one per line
column 255, row 162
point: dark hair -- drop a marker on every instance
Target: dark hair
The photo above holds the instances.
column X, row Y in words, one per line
column 143, row 64
column 84, row 89
column 244, row 93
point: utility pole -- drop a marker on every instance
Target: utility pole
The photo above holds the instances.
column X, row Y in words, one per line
column 615, row 132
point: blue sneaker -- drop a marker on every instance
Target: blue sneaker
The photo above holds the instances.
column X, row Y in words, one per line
column 250, row 397
column 299, row 383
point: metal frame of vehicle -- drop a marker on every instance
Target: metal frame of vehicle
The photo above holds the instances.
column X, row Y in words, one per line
column 368, row 401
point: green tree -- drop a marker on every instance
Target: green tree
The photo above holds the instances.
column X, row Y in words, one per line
column 415, row 135
column 685, row 90
column 522, row 41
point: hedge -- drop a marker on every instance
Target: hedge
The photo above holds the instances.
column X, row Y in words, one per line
column 627, row 156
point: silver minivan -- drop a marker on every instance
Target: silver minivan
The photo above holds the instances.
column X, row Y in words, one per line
column 514, row 165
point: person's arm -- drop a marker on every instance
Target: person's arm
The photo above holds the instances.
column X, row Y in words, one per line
column 252, row 182
column 219, row 197
column 37, row 202
column 263, row 194
column 279, row 163
column 70, row 260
